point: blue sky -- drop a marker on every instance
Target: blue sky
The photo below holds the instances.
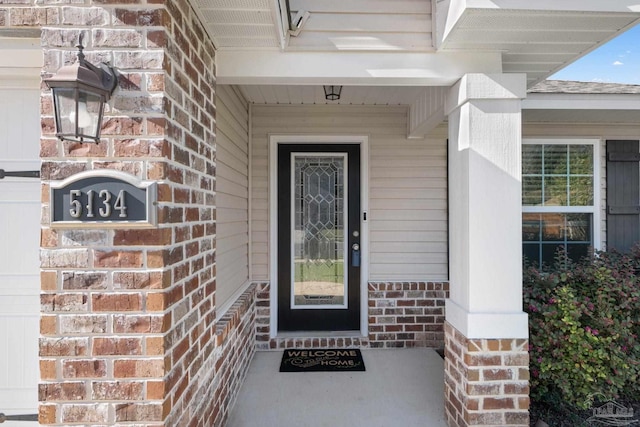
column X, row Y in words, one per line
column 615, row 62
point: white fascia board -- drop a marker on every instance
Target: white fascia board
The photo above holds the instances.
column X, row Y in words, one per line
column 614, row 6
column 449, row 13
column 279, row 13
column 362, row 68
column 556, row 101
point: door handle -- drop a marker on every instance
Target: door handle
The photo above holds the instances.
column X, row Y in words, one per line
column 355, row 255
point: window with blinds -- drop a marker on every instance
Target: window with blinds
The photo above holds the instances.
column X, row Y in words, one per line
column 559, row 197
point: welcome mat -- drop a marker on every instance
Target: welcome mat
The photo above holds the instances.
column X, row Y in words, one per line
column 318, row 360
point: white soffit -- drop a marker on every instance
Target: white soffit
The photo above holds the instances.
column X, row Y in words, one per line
column 538, row 42
column 239, row 23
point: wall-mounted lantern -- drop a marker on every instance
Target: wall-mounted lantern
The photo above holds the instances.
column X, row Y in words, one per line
column 332, row 93
column 79, row 94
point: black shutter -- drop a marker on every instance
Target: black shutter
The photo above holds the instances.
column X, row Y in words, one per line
column 623, row 194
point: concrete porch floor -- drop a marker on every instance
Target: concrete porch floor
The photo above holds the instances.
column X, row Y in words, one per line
column 401, row 387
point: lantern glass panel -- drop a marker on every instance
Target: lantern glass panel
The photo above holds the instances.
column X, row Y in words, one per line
column 79, row 120
column 89, row 113
column 65, row 107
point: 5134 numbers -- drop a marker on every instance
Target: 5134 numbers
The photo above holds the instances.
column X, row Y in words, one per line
column 101, row 203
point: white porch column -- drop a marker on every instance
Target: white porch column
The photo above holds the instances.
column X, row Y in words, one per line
column 485, row 208
column 486, row 346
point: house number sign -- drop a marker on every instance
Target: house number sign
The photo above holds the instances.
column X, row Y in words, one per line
column 103, row 198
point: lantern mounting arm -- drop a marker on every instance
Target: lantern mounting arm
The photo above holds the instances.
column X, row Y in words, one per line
column 105, row 72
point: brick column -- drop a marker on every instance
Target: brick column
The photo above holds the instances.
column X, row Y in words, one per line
column 128, row 316
column 486, row 381
column 486, row 331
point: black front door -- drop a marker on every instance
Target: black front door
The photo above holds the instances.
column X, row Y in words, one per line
column 318, row 237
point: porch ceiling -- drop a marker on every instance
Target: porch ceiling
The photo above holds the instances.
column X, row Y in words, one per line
column 384, row 52
column 351, row 41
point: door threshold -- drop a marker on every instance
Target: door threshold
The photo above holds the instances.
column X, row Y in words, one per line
column 320, row 334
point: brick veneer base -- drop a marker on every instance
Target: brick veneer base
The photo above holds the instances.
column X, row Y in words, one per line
column 407, row 314
column 235, row 339
column 220, row 378
column 401, row 314
column 486, row 381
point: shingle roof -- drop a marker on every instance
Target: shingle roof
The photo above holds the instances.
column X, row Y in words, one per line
column 565, row 86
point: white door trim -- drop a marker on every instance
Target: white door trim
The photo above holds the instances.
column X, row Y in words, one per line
column 363, row 141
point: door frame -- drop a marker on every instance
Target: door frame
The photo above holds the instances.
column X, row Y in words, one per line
column 274, row 141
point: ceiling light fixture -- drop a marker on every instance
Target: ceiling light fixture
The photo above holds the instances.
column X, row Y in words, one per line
column 332, row 93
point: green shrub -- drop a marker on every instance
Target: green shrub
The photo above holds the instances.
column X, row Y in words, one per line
column 584, row 322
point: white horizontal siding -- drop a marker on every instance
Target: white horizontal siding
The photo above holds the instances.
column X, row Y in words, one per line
column 407, row 186
column 364, row 25
column 408, row 210
column 232, row 185
column 357, row 6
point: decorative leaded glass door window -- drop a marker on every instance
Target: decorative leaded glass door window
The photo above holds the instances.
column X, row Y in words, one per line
column 318, row 228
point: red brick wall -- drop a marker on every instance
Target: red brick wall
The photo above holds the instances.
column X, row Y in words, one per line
column 486, row 380
column 407, row 314
column 401, row 314
column 128, row 316
column 236, row 344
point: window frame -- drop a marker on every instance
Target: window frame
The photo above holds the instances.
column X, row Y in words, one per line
column 595, row 208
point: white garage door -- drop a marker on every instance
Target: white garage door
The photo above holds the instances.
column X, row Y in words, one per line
column 19, row 237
